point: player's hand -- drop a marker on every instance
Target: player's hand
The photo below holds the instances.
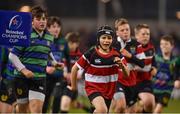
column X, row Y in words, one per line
column 177, row 84
column 72, row 88
column 59, row 65
column 50, row 70
column 160, row 82
column 157, row 81
column 27, row 73
column 163, row 82
column 74, row 93
column 118, row 61
column 125, row 53
column 153, row 71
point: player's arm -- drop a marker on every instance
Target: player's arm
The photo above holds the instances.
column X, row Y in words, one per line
column 177, row 74
column 133, row 58
column 19, row 66
column 55, row 63
column 124, row 67
column 153, row 70
column 74, row 72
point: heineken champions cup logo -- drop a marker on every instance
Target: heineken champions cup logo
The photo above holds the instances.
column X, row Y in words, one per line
column 13, row 32
column 15, row 22
column 15, row 28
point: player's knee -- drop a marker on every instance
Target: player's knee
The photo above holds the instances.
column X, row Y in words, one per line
column 101, row 110
column 36, row 108
column 65, row 106
column 120, row 108
column 65, row 103
column 23, row 108
column 148, row 106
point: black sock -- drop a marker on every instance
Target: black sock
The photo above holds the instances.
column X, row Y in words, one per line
column 92, row 109
column 63, row 111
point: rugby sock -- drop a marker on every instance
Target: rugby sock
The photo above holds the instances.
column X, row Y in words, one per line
column 63, row 111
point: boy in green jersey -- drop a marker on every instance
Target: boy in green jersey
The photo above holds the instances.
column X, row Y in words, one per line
column 167, row 75
column 31, row 62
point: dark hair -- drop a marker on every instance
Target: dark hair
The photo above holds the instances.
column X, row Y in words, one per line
column 120, row 21
column 140, row 26
column 73, row 37
column 52, row 20
column 168, row 38
column 38, row 11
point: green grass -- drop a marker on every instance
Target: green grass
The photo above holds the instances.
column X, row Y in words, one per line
column 173, row 107
column 83, row 100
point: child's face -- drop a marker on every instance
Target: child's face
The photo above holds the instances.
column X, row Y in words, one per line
column 124, row 32
column 105, row 41
column 73, row 46
column 143, row 36
column 166, row 46
column 39, row 23
column 54, row 29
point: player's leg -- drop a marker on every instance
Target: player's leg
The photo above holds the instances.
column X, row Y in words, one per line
column 120, row 103
column 131, row 98
column 5, row 99
column 65, row 104
column 21, row 91
column 35, row 105
column 162, row 100
column 146, row 96
column 8, row 105
column 158, row 108
column 112, row 106
column 67, row 98
column 99, row 103
column 119, row 99
column 5, row 108
column 36, row 95
column 148, row 101
column 78, row 102
column 50, row 83
column 58, row 92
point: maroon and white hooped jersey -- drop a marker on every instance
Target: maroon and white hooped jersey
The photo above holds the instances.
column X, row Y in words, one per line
column 131, row 46
column 101, row 73
column 145, row 53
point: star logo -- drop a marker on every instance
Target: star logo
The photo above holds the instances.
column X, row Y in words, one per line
column 15, row 22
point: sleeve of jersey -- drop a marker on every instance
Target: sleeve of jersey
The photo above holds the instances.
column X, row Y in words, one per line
column 154, row 62
column 124, row 61
column 134, row 59
column 137, row 61
column 17, row 50
column 82, row 62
